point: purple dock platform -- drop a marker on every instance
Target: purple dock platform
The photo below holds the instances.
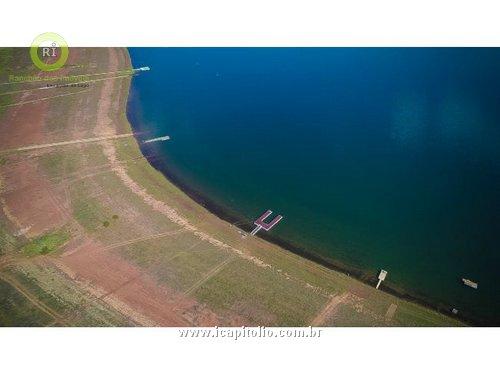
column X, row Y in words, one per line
column 261, row 224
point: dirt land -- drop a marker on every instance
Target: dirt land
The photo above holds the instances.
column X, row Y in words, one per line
column 118, row 244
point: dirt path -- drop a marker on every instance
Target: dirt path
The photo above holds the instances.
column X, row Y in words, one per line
column 35, row 301
column 329, row 309
column 66, row 143
column 43, row 99
column 390, row 312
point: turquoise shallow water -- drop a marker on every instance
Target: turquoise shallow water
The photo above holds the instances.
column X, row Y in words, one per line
column 377, row 158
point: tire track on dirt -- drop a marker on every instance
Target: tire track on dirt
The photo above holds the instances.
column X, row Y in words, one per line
column 33, row 299
column 214, row 271
column 329, row 309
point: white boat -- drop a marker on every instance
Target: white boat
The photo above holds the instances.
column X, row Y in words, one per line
column 470, row 283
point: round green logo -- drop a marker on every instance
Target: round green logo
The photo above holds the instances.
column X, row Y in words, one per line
column 49, row 42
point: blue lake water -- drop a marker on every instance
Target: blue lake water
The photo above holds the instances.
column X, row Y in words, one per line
column 377, row 158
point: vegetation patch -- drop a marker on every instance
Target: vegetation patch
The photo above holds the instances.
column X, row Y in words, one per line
column 5, row 100
column 17, row 311
column 45, row 244
column 13, row 61
column 60, row 164
column 7, row 240
column 63, row 296
column 86, row 210
column 6, row 59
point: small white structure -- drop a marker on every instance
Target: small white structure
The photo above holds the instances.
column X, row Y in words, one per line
column 142, row 69
column 470, row 283
column 381, row 277
column 159, row 139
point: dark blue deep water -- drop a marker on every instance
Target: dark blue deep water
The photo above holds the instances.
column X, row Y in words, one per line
column 377, row 158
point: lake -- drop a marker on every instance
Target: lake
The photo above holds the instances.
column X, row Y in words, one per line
column 376, row 157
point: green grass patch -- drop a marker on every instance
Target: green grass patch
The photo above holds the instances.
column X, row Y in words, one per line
column 5, row 100
column 6, row 59
column 410, row 314
column 87, row 210
column 45, row 244
column 60, row 164
column 7, row 240
column 12, row 61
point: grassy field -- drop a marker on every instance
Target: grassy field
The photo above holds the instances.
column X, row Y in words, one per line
column 124, row 246
column 12, row 61
column 64, row 302
column 6, row 61
column 17, row 311
column 45, row 244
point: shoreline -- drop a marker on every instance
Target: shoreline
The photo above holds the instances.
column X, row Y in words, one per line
column 230, row 218
column 225, row 281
